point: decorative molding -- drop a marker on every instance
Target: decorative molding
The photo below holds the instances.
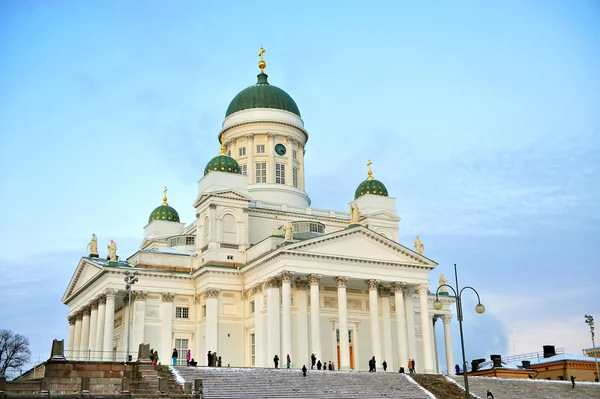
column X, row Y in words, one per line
column 257, row 289
column 228, row 295
column 398, row 286
column 102, row 299
column 392, row 306
column 250, row 136
column 211, row 293
column 212, row 206
column 384, row 292
column 314, row 279
column 341, row 281
column 140, row 295
column 372, row 284
column 271, row 136
column 168, row 297
column 272, row 282
column 94, row 303
column 301, row 284
column 110, row 293
column 86, row 310
column 71, row 320
column 286, row 276
column 330, row 302
column 355, row 304
column 422, row 289
column 153, row 297
column 118, row 322
column 446, row 318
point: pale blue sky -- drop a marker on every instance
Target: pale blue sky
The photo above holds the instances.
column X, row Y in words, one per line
column 482, row 118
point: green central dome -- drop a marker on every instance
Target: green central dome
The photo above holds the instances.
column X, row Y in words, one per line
column 164, row 212
column 222, row 163
column 370, row 186
column 262, row 95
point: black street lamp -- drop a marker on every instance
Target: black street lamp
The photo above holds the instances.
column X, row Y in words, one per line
column 437, row 305
column 130, row 279
column 589, row 320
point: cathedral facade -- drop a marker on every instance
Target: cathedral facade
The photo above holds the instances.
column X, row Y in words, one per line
column 260, row 272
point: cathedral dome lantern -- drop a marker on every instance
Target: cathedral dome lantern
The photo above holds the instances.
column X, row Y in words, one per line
column 222, row 163
column 164, row 212
column 262, row 95
column 370, row 186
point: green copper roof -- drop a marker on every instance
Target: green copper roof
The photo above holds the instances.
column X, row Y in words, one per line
column 262, row 95
column 222, row 163
column 164, row 212
column 370, row 186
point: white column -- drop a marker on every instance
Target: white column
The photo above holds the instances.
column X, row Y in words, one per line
column 246, row 240
column 70, row 345
column 109, row 324
column 139, row 321
column 93, row 327
column 259, row 350
column 212, row 320
column 166, row 335
column 233, row 148
column 85, row 334
column 100, row 327
column 315, row 315
column 289, row 179
column 343, row 322
column 271, row 165
column 387, row 327
column 273, row 331
column 436, row 364
column 212, row 220
column 401, row 333
column 425, row 329
column 250, row 168
column 410, row 325
column 303, row 356
column 77, row 338
column 286, row 314
column 448, row 343
column 373, row 285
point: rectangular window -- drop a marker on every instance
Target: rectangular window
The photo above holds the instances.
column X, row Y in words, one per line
column 280, row 173
column 261, row 172
column 252, row 309
column 182, row 346
column 242, row 151
column 295, row 154
column 295, row 177
column 182, row 313
column 203, row 310
column 244, row 169
column 260, row 149
column 190, row 240
column 337, row 336
column 253, row 346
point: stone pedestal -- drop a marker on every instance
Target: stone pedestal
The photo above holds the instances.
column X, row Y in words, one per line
column 144, row 354
column 58, row 350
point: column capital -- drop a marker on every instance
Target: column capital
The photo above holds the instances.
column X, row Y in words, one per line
column 250, row 137
column 167, row 297
column 71, row 319
column 211, row 293
column 212, row 206
column 257, row 288
column 290, row 140
column 398, row 286
column 301, row 284
column 86, row 310
column 94, row 303
column 272, row 282
column 110, row 293
column 341, row 281
column 372, row 284
column 286, row 276
column 101, row 299
column 271, row 136
column 446, row 318
column 422, row 289
column 140, row 295
column 384, row 292
column 314, row 279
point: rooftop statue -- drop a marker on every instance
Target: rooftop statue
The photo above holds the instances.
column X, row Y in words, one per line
column 112, row 251
column 93, row 246
column 442, row 282
column 354, row 214
column 419, row 247
column 289, row 231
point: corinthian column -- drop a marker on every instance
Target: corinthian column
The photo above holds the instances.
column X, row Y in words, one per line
column 100, row 327
column 212, row 320
column 401, row 324
column 302, row 356
column 109, row 324
column 85, row 334
column 76, row 355
column 426, row 329
column 286, row 313
column 387, row 327
column 315, row 314
column 343, row 322
column 448, row 343
column 93, row 327
column 289, row 179
column 139, row 320
column 373, row 285
column 71, row 320
column 259, row 337
column 273, row 331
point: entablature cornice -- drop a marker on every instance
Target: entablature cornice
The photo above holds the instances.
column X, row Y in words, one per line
column 301, row 130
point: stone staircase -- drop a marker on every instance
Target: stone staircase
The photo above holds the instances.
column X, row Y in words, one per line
column 504, row 388
column 254, row 383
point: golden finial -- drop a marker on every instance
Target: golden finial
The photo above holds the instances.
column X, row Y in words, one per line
column 222, row 144
column 370, row 171
column 262, row 64
column 165, row 196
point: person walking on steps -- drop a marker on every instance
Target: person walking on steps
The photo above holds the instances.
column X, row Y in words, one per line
column 276, row 361
column 313, row 360
column 319, row 364
column 209, row 359
column 490, row 395
column 572, row 381
column 304, row 370
column 384, row 364
column 288, row 361
column 174, row 356
column 188, row 356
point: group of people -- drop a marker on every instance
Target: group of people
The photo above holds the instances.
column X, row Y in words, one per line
column 319, row 365
column 188, row 358
column 154, row 356
column 212, row 360
column 411, row 365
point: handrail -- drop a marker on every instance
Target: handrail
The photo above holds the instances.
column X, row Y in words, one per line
column 531, row 355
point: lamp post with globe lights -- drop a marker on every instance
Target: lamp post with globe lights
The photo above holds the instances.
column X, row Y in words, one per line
column 479, row 308
column 589, row 320
column 130, row 280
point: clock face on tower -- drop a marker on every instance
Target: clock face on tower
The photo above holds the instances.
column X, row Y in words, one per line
column 280, row 149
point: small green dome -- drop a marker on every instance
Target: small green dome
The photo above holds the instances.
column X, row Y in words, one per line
column 222, row 163
column 262, row 95
column 371, row 186
column 164, row 212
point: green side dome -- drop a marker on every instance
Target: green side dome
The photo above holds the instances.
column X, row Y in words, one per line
column 164, row 212
column 370, row 186
column 262, row 95
column 222, row 163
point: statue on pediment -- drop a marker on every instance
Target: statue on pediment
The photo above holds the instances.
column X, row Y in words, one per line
column 419, row 247
column 354, row 213
column 442, row 282
column 289, row 231
column 93, row 246
column 112, row 251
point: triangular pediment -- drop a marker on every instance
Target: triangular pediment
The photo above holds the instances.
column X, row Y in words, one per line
column 361, row 243
column 382, row 215
column 85, row 272
column 225, row 194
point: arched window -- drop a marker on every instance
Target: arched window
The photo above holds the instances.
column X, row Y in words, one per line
column 229, row 226
column 205, row 228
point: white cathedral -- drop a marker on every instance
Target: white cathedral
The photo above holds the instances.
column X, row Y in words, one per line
column 259, row 272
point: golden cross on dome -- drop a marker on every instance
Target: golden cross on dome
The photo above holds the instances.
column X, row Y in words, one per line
column 165, row 196
column 262, row 64
column 222, row 140
column 262, row 51
column 370, row 172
